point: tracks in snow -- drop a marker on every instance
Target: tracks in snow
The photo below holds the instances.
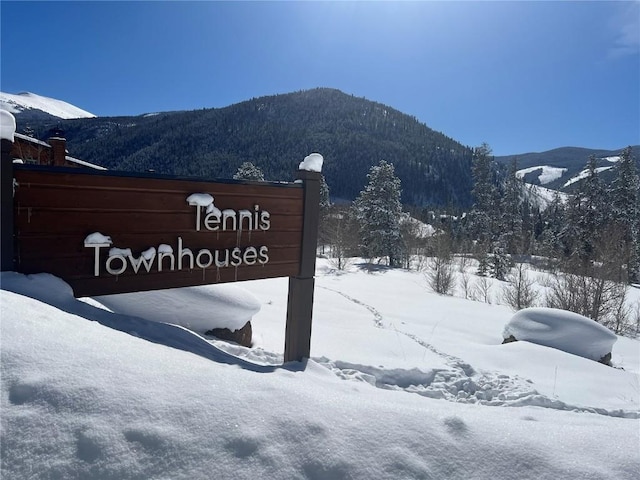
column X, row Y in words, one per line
column 460, row 382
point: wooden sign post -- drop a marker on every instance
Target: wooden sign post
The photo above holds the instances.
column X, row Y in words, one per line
column 297, row 344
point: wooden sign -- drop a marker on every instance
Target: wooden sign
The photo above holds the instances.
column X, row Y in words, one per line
column 106, row 234
column 109, row 232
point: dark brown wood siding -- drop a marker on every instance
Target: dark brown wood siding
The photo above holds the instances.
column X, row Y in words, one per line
column 56, row 210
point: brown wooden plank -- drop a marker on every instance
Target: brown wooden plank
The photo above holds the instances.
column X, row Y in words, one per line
column 69, row 245
column 112, row 285
column 83, row 264
column 45, row 221
column 95, row 200
column 80, row 180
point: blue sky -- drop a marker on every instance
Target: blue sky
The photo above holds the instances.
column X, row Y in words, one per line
column 521, row 76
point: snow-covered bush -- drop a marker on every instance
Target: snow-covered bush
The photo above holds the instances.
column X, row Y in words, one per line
column 562, row 330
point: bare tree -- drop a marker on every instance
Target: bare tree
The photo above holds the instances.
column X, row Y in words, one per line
column 481, row 290
column 341, row 234
column 465, row 283
column 441, row 271
column 594, row 297
column 519, row 292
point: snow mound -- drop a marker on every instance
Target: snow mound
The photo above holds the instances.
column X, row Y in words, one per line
column 562, row 330
column 312, row 163
column 199, row 309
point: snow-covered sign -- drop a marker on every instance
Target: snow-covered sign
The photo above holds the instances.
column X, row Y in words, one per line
column 108, row 234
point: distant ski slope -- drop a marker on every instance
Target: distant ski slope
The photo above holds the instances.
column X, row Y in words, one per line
column 17, row 103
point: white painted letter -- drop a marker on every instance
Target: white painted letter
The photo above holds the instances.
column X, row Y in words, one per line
column 250, row 255
column 182, row 252
column 204, row 252
column 121, row 269
column 96, row 256
column 236, row 257
column 265, row 223
column 264, row 255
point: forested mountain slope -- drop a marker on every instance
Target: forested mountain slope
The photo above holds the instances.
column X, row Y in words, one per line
column 276, row 133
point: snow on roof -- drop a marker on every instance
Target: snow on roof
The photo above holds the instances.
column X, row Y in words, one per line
column 7, row 125
column 83, row 163
column 27, row 138
column 562, row 330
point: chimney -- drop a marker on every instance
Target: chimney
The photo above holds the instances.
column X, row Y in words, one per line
column 58, row 147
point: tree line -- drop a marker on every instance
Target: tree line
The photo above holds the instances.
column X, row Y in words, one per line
column 589, row 241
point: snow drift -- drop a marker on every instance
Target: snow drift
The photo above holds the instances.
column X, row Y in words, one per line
column 566, row 331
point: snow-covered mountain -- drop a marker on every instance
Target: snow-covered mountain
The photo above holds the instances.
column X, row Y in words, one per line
column 561, row 168
column 30, row 103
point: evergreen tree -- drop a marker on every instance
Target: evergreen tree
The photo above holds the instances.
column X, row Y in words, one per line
column 499, row 261
column 378, row 211
column 592, row 213
column 484, row 195
column 584, row 220
column 553, row 222
column 484, row 217
column 248, row 171
column 511, row 207
column 625, row 211
column 325, row 203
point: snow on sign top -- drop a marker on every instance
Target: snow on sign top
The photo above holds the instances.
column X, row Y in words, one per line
column 312, row 163
column 97, row 238
column 7, row 125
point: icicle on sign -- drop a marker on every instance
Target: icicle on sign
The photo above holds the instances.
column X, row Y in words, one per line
column 212, row 219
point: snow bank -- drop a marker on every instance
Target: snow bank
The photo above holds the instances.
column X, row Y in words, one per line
column 7, row 125
column 80, row 400
column 199, row 309
column 312, row 163
column 563, row 330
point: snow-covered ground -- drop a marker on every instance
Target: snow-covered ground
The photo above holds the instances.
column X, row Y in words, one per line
column 16, row 103
column 547, row 173
column 402, row 384
column 542, row 197
column 584, row 174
